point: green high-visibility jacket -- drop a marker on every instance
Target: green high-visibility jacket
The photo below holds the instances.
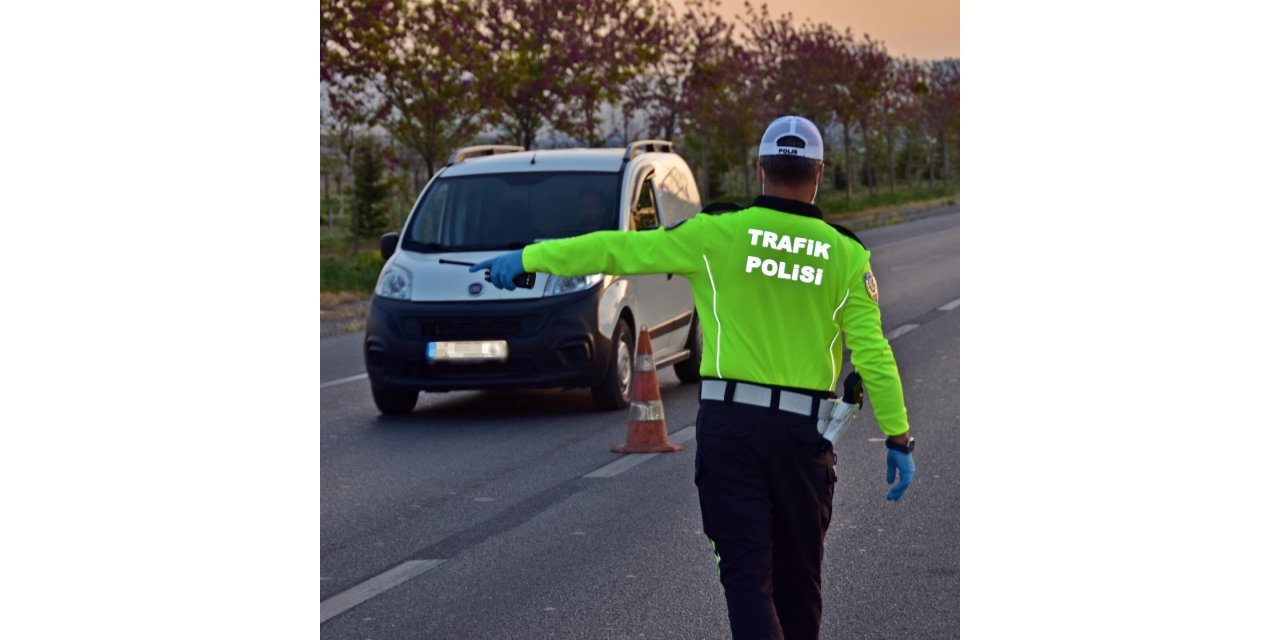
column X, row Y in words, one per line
column 774, row 286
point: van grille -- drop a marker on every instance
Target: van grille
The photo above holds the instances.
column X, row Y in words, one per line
column 422, row 370
column 470, row 328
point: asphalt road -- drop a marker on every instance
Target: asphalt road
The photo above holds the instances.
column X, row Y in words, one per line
column 481, row 497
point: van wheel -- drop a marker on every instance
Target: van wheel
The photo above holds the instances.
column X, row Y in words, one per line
column 395, row 403
column 615, row 391
column 687, row 370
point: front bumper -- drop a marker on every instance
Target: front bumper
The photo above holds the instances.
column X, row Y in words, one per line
column 551, row 342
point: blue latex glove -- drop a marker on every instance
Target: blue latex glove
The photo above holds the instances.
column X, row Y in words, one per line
column 503, row 269
column 902, row 468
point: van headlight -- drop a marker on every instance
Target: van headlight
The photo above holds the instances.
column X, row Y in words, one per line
column 395, row 283
column 559, row 285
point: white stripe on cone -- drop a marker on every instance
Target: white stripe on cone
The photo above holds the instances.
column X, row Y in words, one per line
column 646, row 410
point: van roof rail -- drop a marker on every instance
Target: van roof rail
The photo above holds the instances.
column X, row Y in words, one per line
column 481, row 150
column 646, row 146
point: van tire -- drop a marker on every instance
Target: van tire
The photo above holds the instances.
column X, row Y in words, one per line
column 395, row 403
column 687, row 370
column 614, row 392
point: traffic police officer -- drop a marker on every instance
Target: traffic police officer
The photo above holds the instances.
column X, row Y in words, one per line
column 774, row 286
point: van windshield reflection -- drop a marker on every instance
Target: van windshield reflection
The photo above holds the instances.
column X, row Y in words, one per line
column 512, row 210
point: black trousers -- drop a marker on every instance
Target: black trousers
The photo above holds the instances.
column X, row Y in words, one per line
column 765, row 480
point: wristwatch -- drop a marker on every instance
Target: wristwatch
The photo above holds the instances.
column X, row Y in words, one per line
column 904, row 448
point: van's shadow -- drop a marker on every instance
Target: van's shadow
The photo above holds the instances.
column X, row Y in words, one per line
column 463, row 409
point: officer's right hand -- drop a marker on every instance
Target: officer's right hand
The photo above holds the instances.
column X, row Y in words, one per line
column 901, row 467
column 503, row 269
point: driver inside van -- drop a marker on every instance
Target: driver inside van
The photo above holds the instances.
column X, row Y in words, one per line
column 592, row 215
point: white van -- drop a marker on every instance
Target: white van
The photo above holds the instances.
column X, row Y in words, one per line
column 435, row 326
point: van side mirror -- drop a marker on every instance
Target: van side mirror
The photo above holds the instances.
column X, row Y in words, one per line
column 388, row 244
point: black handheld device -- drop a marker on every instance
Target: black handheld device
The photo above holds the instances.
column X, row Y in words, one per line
column 524, row 280
column 853, row 389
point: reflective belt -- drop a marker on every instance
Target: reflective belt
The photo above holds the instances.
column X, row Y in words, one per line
column 762, row 396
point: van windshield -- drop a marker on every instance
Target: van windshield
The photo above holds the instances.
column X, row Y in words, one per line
column 511, row 210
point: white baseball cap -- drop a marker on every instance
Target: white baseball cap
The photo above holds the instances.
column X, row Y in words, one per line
column 807, row 142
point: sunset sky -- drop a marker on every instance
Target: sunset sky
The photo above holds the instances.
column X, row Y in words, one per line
column 926, row 29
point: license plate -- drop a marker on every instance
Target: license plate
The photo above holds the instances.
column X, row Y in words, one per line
column 469, row 351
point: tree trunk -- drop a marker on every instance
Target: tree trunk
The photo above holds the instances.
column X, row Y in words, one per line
column 866, row 157
column 350, row 195
column 328, row 206
column 911, row 176
column 932, row 155
column 351, row 188
column 703, row 187
column 527, row 130
column 342, row 198
column 589, row 124
column 946, row 163
column 893, row 165
column 407, row 173
column 848, row 168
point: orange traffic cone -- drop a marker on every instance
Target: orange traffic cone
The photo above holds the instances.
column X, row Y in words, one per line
column 647, row 430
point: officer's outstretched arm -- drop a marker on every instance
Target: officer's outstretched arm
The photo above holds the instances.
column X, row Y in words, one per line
column 871, row 355
column 675, row 250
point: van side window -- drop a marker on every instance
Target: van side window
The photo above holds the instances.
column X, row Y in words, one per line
column 644, row 215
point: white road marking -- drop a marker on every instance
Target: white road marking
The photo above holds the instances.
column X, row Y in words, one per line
column 633, row 459
column 334, row 383
column 621, row 464
column 896, row 333
column 950, row 305
column 684, row 435
column 392, row 577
